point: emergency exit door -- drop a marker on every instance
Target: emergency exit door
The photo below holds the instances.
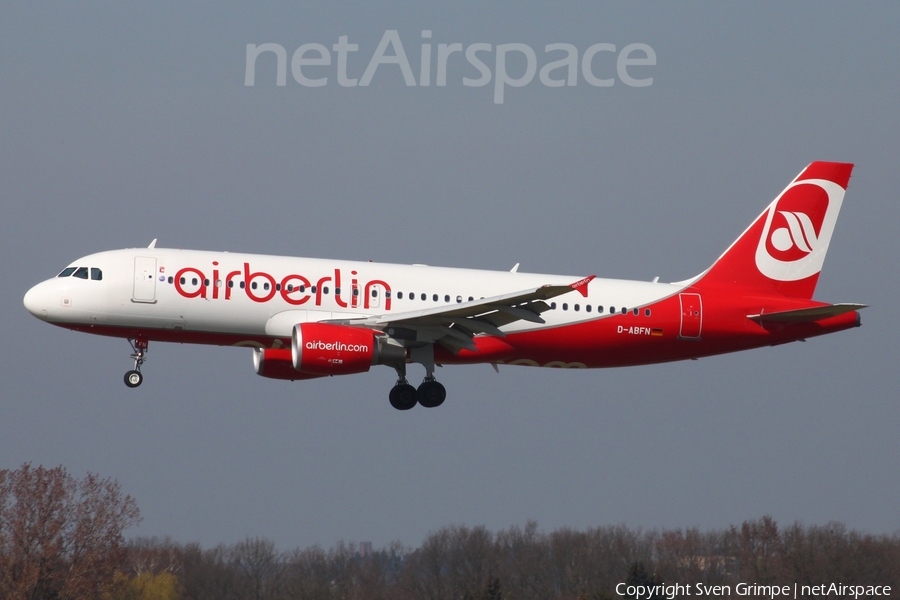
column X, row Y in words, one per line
column 691, row 316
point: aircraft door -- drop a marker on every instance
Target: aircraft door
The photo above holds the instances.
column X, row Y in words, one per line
column 144, row 279
column 691, row 316
column 374, row 292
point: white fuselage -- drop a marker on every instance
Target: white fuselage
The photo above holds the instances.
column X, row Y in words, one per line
column 265, row 296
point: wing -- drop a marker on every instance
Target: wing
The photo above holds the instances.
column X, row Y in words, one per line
column 454, row 325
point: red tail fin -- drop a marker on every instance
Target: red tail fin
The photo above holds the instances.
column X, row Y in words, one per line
column 785, row 247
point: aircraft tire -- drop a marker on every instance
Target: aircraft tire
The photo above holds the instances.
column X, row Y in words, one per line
column 133, row 379
column 403, row 396
column 431, row 394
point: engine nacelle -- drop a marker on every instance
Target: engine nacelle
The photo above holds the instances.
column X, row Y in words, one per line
column 326, row 349
column 277, row 363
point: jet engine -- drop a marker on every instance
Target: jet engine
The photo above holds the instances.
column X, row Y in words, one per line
column 324, row 349
column 277, row 363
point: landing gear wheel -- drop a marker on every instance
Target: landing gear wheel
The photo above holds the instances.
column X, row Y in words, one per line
column 403, row 396
column 431, row 394
column 133, row 379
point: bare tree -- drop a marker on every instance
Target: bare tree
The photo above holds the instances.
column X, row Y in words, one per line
column 260, row 568
column 60, row 537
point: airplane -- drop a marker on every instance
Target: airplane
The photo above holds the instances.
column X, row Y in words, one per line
column 306, row 317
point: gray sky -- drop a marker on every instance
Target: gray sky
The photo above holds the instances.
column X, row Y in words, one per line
column 120, row 124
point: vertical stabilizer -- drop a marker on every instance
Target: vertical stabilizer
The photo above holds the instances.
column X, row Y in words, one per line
column 785, row 247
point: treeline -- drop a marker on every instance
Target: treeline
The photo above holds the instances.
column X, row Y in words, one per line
column 517, row 563
column 61, row 538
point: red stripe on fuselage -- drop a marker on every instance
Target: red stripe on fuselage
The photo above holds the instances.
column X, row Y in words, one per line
column 609, row 341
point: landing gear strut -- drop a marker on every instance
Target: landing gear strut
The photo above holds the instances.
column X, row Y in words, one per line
column 139, row 346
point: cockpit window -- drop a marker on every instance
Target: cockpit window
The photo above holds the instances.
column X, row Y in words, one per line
column 81, row 273
column 96, row 274
column 67, row 271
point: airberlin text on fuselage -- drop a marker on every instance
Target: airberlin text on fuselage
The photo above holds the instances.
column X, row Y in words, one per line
column 294, row 289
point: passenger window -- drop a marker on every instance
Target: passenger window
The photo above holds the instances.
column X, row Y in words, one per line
column 337, row 291
column 600, row 309
column 565, row 306
column 81, row 273
column 458, row 299
column 635, row 311
column 96, row 274
column 206, row 282
column 447, row 298
column 324, row 289
column 646, row 312
column 171, row 279
column 400, row 295
column 230, row 283
column 577, row 308
column 435, row 297
column 243, row 285
column 424, row 296
column 266, row 286
column 553, row 305
column 587, row 308
column 612, row 310
column 374, row 293
column 624, row 310
column 313, row 289
column 67, row 272
column 252, row 285
column 387, row 293
column 181, row 281
column 194, row 281
column 277, row 286
column 471, row 298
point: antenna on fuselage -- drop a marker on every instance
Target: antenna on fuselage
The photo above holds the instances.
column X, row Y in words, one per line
column 152, row 244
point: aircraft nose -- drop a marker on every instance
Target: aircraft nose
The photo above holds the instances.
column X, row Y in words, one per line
column 36, row 301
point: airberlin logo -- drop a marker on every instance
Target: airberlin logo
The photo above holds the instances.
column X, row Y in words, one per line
column 562, row 65
column 800, row 233
column 216, row 283
column 798, row 230
column 335, row 346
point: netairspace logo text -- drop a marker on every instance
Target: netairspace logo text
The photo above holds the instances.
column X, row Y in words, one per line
column 314, row 65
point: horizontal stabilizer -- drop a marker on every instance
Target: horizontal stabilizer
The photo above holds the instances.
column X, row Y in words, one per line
column 806, row 315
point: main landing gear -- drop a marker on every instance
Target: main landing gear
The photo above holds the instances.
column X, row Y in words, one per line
column 429, row 394
column 134, row 378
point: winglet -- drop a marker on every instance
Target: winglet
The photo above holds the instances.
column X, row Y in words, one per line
column 582, row 284
column 152, row 244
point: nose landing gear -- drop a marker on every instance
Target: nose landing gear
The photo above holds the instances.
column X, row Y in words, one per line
column 139, row 347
